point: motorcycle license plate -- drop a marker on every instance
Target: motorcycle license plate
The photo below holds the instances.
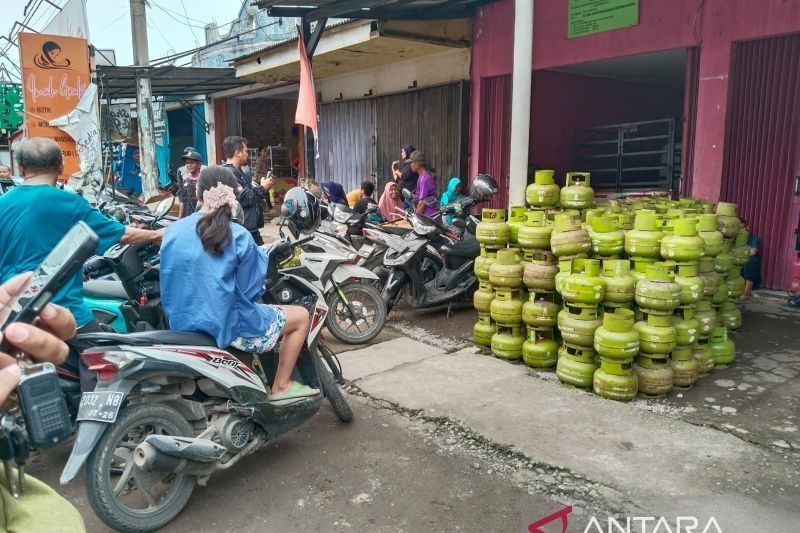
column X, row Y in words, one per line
column 366, row 250
column 100, row 406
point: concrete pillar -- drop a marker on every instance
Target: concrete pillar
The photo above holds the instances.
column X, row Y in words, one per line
column 521, row 100
column 211, row 142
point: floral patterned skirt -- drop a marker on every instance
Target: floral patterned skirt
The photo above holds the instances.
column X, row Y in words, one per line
column 266, row 342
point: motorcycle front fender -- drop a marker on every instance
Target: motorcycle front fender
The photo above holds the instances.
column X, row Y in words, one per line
column 346, row 272
column 89, row 434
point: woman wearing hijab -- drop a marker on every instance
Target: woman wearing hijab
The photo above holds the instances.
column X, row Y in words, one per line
column 405, row 175
column 452, row 194
column 390, row 202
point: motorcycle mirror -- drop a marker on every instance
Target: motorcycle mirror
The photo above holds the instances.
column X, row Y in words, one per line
column 288, row 208
column 430, row 200
column 407, row 196
column 459, row 223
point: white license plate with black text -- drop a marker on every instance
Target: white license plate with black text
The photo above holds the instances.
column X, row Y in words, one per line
column 100, row 406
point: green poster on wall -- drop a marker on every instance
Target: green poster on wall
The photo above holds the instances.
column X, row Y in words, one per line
column 586, row 17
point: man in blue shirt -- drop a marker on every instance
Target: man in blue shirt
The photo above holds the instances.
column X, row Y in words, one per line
column 35, row 215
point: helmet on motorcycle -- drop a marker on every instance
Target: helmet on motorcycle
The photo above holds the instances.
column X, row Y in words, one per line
column 483, row 187
column 301, row 211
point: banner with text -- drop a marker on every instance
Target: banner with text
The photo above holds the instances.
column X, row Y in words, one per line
column 55, row 74
column 586, row 17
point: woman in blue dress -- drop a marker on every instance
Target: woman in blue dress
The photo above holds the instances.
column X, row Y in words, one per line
column 212, row 279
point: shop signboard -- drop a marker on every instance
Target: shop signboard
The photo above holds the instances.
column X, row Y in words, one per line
column 586, row 17
column 10, row 106
column 55, row 74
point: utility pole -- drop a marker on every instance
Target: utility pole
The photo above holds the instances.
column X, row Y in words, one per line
column 144, row 104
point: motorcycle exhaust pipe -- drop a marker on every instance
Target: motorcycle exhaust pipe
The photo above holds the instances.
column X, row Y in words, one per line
column 164, row 453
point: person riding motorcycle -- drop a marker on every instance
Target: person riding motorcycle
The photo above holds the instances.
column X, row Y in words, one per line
column 212, row 279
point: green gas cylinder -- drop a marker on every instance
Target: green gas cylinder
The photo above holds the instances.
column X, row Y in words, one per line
column 658, row 292
column 656, row 334
column 727, row 222
column 722, row 293
column 568, row 238
column 682, row 244
column 584, row 284
column 620, row 285
column 564, row 270
column 706, row 317
column 722, row 348
column 607, row 239
column 644, row 240
column 484, row 262
column 655, row 374
column 690, row 283
column 708, row 276
column 687, row 327
column 576, row 366
column 684, row 367
column 507, row 343
column 535, row 233
column 540, row 350
column 577, row 194
column 578, row 324
column 506, row 307
column 539, row 274
column 616, row 380
column 517, row 217
column 723, row 262
column 729, row 316
column 493, row 230
column 617, row 338
column 712, row 238
column 639, row 270
column 506, row 272
column 543, row 192
column 735, row 283
column 484, row 329
column 540, row 311
column 483, row 297
column 702, row 353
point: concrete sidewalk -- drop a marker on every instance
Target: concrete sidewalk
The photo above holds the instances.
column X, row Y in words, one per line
column 648, row 464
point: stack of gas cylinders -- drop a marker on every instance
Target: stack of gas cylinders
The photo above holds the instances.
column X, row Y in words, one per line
column 626, row 297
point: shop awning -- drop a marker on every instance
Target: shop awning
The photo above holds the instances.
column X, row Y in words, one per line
column 312, row 10
column 355, row 45
column 120, row 82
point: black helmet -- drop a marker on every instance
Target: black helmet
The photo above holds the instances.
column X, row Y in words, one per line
column 301, row 211
column 483, row 187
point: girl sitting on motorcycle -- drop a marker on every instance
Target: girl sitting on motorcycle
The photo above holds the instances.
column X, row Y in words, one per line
column 212, row 279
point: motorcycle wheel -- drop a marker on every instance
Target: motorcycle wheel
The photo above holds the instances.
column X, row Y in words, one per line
column 332, row 361
column 145, row 508
column 367, row 302
column 334, row 394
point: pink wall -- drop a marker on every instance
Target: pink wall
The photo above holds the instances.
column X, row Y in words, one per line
column 564, row 102
column 663, row 25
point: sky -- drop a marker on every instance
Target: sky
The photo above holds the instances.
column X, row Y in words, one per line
column 110, row 26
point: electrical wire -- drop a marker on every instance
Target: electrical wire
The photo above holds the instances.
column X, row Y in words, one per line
column 186, row 14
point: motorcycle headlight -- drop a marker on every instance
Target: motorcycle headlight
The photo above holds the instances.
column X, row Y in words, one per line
column 394, row 258
column 420, row 228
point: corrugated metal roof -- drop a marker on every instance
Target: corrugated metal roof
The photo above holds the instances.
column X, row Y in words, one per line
column 282, row 44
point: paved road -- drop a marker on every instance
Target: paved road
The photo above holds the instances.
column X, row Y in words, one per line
column 382, row 472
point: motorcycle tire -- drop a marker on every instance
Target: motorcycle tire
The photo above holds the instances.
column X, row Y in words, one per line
column 332, row 361
column 99, row 470
column 334, row 394
column 337, row 305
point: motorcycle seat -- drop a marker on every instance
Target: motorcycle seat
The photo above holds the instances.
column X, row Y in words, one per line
column 468, row 247
column 146, row 338
column 104, row 288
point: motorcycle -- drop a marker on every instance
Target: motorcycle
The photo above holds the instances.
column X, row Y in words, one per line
column 170, row 409
column 456, row 280
column 357, row 312
column 129, row 301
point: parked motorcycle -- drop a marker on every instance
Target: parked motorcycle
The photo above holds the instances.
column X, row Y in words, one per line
column 357, row 312
column 170, row 408
column 406, row 257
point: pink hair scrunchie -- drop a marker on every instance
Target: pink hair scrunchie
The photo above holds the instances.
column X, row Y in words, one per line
column 218, row 196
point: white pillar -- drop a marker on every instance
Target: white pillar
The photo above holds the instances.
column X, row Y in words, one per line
column 521, row 100
column 211, row 141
